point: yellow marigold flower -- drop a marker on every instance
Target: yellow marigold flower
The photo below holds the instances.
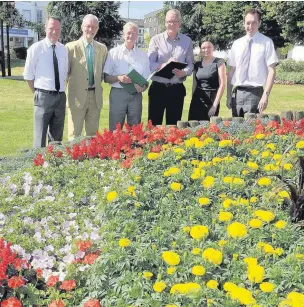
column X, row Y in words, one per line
column 186, row 229
column 179, row 150
column 252, row 165
column 280, row 224
column 238, row 181
column 210, row 302
column 225, row 143
column 255, row 223
column 264, row 181
column 221, row 243
column 237, row 230
column 212, row 284
column 204, row 201
column 225, row 216
column 245, row 172
column 266, row 286
column 300, row 145
column 194, row 162
column 251, row 261
column 208, row 141
column 253, row 199
column 171, row 305
column 159, row 286
column 285, row 303
column 166, row 173
column 208, row 182
column 171, row 270
column 254, row 152
column 235, row 257
column 174, row 170
column 279, row 251
column 230, row 286
column 216, row 160
column 300, row 256
column 260, row 136
column 147, row 274
column 257, row 305
column 124, row 242
column 227, row 202
column 288, row 166
column 137, row 178
column 296, row 299
column 199, row 232
column 222, row 195
column 243, row 296
column 186, row 288
column 283, row 194
column 266, row 216
column 196, row 251
column 228, row 179
column 267, row 248
column 243, row 201
column 153, row 156
column 171, row 258
column 256, row 273
column 292, row 152
column 175, row 186
column 112, row 195
column 213, row 255
column 270, row 167
column 277, row 157
column 198, row 270
column 270, row 146
column 266, row 154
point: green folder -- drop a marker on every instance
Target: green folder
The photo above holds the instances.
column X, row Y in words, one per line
column 136, row 79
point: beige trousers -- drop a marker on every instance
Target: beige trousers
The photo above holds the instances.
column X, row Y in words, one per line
column 88, row 116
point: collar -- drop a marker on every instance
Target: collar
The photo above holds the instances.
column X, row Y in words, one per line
column 125, row 49
column 178, row 36
column 49, row 43
column 254, row 37
column 86, row 43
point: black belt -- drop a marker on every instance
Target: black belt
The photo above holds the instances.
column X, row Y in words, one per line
column 91, row 89
column 248, row 88
column 48, row 92
column 167, row 84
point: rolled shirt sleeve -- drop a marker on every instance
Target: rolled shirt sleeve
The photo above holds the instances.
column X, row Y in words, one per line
column 189, row 60
column 271, row 56
column 108, row 66
column 30, row 65
column 153, row 55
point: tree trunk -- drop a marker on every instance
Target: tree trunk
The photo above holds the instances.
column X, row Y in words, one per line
column 9, row 72
column 2, row 50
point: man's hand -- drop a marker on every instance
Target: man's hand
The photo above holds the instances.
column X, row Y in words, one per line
column 212, row 111
column 179, row 72
column 124, row 79
column 139, row 89
column 228, row 103
column 263, row 103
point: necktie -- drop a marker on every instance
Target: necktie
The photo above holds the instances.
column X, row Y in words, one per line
column 90, row 65
column 56, row 70
column 245, row 61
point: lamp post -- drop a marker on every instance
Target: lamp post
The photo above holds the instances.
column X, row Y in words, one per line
column 128, row 10
column 2, row 46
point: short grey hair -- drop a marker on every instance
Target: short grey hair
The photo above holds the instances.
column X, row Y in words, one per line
column 90, row 16
column 175, row 12
column 130, row 25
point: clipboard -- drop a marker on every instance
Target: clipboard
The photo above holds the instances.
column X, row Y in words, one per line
column 136, row 78
column 166, row 72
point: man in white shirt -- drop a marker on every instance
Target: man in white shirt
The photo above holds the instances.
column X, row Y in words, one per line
column 120, row 61
column 252, row 62
column 45, row 70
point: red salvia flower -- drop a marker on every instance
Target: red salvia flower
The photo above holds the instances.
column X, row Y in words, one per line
column 15, row 282
column 57, row 303
column 11, row 302
column 52, row 281
column 68, row 285
column 92, row 303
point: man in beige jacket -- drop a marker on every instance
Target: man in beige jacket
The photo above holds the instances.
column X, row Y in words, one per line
column 84, row 91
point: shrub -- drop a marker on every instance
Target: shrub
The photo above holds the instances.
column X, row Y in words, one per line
column 21, row 52
column 290, row 72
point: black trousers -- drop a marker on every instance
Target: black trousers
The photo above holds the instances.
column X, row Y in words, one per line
column 201, row 103
column 169, row 98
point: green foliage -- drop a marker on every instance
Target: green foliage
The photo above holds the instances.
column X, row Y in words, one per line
column 71, row 15
column 11, row 16
column 291, row 65
column 290, row 71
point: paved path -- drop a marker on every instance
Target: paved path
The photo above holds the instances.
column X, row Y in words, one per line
column 18, row 78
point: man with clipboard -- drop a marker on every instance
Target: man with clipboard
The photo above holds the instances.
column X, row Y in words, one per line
column 173, row 51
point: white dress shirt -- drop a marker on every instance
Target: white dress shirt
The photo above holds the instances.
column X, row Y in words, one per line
column 262, row 55
column 121, row 61
column 39, row 65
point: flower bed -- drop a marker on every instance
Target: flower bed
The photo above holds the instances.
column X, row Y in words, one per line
column 160, row 217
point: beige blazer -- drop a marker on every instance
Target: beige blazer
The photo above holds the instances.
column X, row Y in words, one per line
column 77, row 82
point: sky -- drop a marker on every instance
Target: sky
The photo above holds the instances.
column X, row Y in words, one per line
column 137, row 9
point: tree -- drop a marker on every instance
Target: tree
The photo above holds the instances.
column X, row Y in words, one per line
column 290, row 17
column 71, row 14
column 11, row 17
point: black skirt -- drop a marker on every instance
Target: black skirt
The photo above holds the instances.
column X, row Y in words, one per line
column 201, row 103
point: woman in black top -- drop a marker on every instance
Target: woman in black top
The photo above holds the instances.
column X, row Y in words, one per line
column 209, row 81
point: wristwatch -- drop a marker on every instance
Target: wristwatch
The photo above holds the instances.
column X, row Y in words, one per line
column 267, row 94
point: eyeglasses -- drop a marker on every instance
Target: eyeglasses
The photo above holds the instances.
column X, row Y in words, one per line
column 172, row 22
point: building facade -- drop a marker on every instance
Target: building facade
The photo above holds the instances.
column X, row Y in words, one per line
column 151, row 23
column 34, row 11
column 140, row 43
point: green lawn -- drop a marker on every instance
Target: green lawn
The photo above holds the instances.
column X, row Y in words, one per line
column 16, row 110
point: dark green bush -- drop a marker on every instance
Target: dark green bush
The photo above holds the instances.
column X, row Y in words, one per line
column 290, row 72
column 21, row 52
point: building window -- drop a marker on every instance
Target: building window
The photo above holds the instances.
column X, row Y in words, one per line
column 27, row 15
column 150, row 19
column 39, row 16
